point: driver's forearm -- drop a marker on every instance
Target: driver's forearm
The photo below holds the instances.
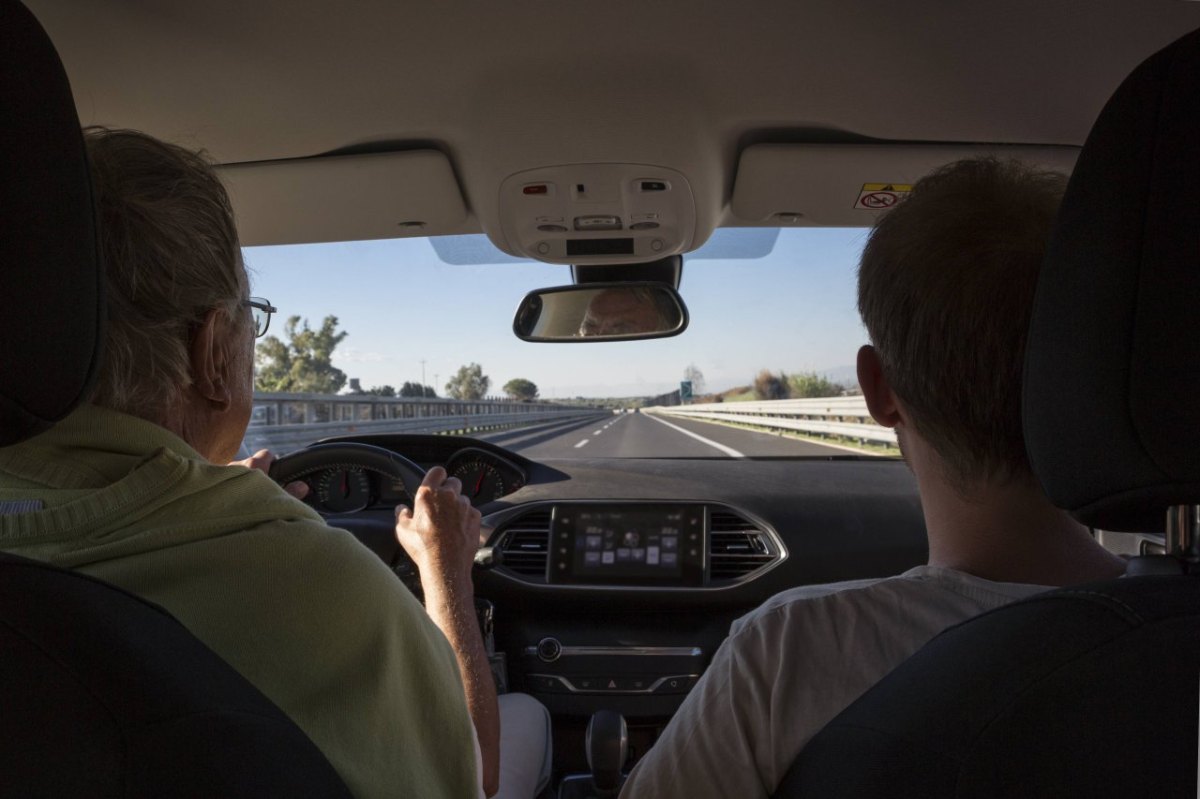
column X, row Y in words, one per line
column 451, row 605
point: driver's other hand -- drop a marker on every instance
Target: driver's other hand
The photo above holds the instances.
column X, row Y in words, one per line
column 262, row 461
column 441, row 531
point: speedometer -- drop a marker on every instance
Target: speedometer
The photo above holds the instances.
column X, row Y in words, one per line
column 481, row 482
column 344, row 490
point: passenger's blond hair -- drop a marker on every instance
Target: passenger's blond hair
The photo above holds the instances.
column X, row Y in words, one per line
column 945, row 289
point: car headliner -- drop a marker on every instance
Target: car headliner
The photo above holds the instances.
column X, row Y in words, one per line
column 502, row 87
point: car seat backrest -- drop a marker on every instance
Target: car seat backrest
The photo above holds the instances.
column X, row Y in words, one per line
column 106, row 695
column 51, row 287
column 1112, row 372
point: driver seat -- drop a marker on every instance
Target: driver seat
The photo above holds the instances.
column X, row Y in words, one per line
column 1092, row 690
column 101, row 693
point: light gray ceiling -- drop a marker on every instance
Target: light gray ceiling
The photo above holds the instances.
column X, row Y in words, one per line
column 508, row 85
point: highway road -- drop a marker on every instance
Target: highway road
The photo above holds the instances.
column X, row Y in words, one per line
column 641, row 435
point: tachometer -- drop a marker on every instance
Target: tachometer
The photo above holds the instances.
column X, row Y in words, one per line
column 343, row 490
column 481, row 482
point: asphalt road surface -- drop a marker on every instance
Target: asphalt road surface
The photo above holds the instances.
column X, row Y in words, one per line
column 642, row 435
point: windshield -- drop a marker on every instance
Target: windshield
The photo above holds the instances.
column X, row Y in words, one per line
column 405, row 324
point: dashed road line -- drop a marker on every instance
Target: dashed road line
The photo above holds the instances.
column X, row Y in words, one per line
column 581, row 443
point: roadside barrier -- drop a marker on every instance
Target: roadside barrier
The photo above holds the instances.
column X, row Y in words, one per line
column 284, row 422
column 845, row 417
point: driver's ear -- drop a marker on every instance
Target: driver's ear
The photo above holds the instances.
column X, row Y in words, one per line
column 210, row 360
column 881, row 401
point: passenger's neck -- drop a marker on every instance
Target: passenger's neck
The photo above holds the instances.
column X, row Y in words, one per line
column 1010, row 533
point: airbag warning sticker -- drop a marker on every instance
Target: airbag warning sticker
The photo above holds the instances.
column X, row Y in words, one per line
column 881, row 196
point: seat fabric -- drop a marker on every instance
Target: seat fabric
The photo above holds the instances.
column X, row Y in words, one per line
column 1022, row 715
column 1112, row 370
column 106, row 695
column 51, row 287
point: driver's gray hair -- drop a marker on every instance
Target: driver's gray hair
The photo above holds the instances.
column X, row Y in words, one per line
column 664, row 306
column 170, row 253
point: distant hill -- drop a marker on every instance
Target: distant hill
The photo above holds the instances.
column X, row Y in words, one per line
column 846, row 375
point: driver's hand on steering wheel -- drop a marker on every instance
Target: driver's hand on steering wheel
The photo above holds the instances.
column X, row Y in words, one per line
column 262, row 461
column 441, row 531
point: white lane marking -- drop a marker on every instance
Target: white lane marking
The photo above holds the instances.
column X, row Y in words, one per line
column 730, row 451
column 581, row 443
column 799, row 439
column 598, row 432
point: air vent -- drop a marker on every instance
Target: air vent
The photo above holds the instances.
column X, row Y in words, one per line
column 524, row 544
column 737, row 547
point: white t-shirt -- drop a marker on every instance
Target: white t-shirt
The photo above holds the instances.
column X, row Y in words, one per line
column 791, row 665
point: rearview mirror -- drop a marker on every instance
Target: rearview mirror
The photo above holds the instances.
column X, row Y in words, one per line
column 601, row 312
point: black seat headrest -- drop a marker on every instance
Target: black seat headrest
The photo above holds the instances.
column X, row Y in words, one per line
column 51, row 277
column 1112, row 373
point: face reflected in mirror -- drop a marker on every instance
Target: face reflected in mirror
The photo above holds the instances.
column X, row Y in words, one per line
column 601, row 312
column 624, row 312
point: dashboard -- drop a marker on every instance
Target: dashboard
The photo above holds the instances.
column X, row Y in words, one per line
column 614, row 581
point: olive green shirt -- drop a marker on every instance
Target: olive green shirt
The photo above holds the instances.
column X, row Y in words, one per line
column 304, row 611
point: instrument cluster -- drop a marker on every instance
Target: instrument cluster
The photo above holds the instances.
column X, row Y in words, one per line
column 341, row 489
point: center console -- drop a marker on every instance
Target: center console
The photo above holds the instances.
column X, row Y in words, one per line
column 619, row 605
column 554, row 668
column 644, row 544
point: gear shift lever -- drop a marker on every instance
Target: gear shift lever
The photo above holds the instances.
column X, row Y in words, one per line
column 607, row 744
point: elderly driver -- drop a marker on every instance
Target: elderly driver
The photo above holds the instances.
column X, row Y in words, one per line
column 627, row 311
column 133, row 488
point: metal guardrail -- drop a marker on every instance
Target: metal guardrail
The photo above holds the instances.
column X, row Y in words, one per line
column 283, row 422
column 846, row 417
column 282, row 439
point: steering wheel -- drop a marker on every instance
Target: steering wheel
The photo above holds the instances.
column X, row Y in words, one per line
column 376, row 530
column 351, row 455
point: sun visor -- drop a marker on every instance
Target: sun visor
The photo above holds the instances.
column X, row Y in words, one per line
column 849, row 185
column 345, row 198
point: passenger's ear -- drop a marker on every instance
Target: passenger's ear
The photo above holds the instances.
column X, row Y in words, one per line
column 881, row 402
column 210, row 361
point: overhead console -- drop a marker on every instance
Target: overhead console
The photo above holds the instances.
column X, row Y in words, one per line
column 597, row 213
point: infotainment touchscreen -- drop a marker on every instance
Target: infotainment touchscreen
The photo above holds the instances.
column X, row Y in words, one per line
column 628, row 544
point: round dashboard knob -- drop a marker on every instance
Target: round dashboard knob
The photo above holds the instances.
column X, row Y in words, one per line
column 548, row 650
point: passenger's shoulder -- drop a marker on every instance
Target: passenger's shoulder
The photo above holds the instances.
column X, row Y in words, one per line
column 805, row 604
column 798, row 601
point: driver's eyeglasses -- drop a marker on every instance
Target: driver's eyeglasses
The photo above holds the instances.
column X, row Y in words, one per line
column 262, row 311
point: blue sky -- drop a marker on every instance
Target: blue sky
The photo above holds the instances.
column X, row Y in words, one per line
column 792, row 310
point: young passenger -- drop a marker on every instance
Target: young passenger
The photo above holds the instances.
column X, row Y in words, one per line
column 945, row 290
column 135, row 488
